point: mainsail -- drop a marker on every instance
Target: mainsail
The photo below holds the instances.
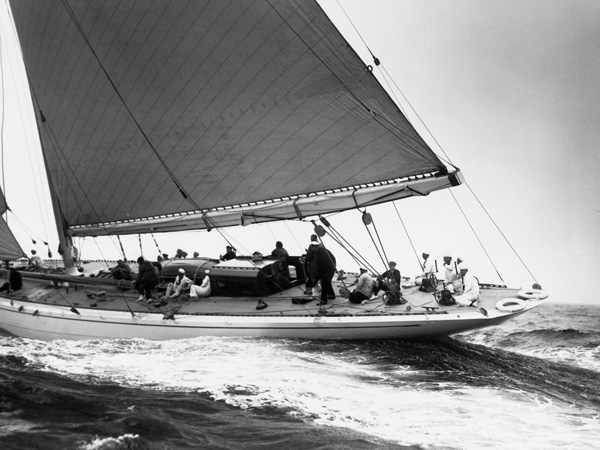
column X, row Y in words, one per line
column 9, row 247
column 166, row 115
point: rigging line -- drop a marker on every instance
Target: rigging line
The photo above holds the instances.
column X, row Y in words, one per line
column 385, row 258
column 38, row 188
column 271, row 231
column 102, row 254
column 477, row 237
column 286, row 223
column 359, row 101
column 387, row 77
column 122, row 249
column 408, row 236
column 499, row 231
column 376, row 248
column 156, row 243
column 418, row 117
column 357, row 32
column 27, row 230
column 179, row 186
column 63, row 162
column 217, row 227
column 338, row 238
column 2, row 85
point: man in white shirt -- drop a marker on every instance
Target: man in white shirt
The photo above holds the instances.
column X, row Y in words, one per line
column 175, row 289
column 469, row 294
column 425, row 279
column 451, row 278
column 363, row 289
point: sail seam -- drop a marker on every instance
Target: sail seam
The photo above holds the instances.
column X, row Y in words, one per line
column 396, row 131
column 179, row 186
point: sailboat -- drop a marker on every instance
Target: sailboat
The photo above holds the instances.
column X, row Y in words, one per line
column 165, row 116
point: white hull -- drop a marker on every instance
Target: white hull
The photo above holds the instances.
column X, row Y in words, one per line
column 47, row 322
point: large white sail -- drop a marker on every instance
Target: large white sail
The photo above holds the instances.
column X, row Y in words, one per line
column 151, row 109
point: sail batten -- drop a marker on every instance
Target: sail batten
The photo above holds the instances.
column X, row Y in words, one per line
column 228, row 102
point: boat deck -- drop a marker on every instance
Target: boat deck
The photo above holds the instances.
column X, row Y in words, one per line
column 286, row 303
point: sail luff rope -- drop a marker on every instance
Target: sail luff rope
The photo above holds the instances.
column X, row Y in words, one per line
column 179, row 186
column 373, row 114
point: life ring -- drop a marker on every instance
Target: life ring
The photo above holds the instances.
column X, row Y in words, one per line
column 533, row 294
column 510, row 304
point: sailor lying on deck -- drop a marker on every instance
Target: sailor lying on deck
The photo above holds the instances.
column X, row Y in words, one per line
column 181, row 283
column 203, row 290
column 470, row 287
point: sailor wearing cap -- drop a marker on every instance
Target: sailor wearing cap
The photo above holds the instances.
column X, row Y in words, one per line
column 427, row 265
column 181, row 282
column 469, row 293
column 452, row 280
column 363, row 289
column 392, row 275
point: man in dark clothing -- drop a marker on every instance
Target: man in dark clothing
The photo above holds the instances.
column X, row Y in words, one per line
column 229, row 254
column 146, row 280
column 325, row 267
column 15, row 282
column 279, row 251
column 122, row 271
column 392, row 274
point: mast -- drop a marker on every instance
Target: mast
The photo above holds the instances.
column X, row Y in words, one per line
column 65, row 241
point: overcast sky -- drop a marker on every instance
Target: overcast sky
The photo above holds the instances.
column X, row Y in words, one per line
column 510, row 90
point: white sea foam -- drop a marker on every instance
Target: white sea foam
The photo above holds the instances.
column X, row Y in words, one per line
column 110, row 443
column 330, row 388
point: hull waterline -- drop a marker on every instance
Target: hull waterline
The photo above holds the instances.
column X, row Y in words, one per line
column 46, row 322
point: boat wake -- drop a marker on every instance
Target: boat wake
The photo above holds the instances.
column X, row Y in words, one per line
column 404, row 392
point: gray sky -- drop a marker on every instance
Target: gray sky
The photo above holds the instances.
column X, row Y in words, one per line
column 510, row 90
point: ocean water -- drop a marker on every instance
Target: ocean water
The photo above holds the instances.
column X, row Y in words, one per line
column 532, row 383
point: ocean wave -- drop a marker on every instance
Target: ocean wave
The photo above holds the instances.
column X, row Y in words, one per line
column 399, row 391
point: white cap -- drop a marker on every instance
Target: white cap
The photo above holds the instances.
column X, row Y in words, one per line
column 182, row 271
column 463, row 265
